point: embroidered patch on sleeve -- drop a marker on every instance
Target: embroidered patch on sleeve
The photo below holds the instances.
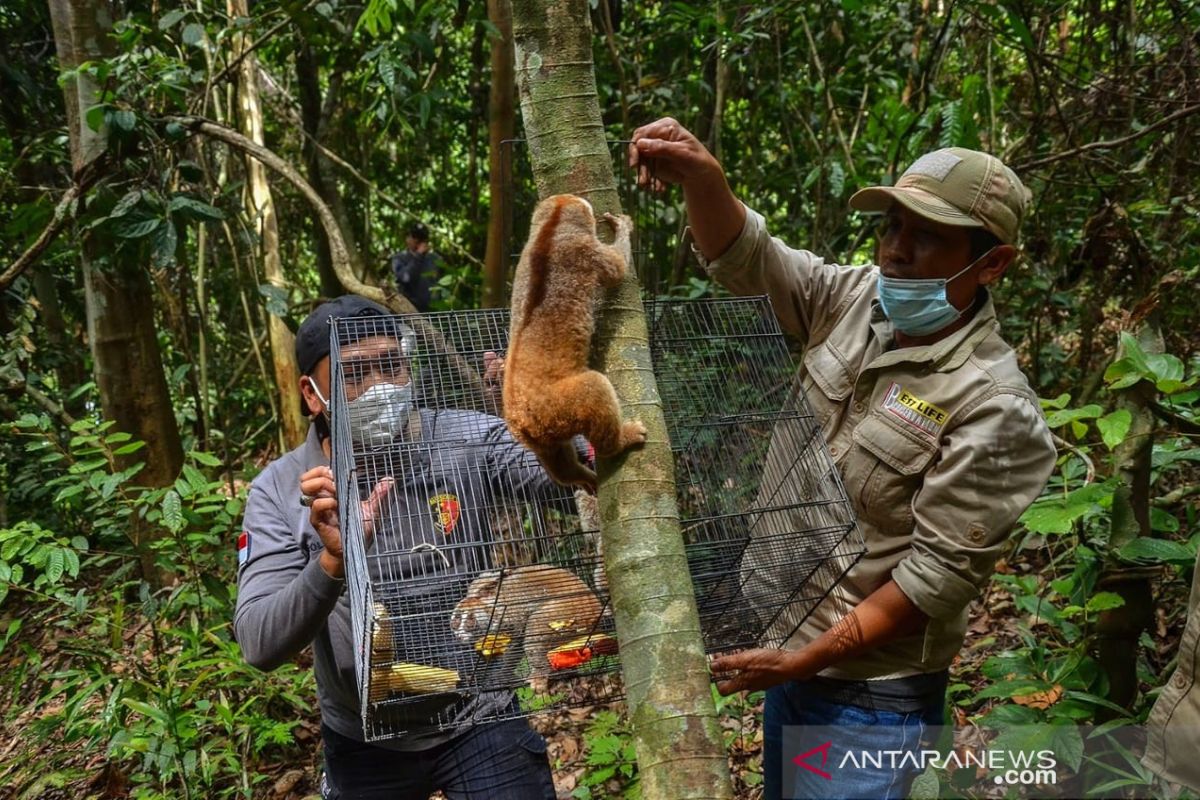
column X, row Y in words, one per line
column 243, row 547
column 918, row 413
column 446, row 511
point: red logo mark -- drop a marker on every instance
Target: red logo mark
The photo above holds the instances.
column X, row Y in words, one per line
column 823, row 749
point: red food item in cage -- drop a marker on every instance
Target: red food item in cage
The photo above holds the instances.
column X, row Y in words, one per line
column 565, row 659
column 580, row 651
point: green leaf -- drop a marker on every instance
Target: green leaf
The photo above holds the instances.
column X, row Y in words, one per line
column 132, row 447
column 54, row 565
column 1156, row 551
column 171, row 18
column 195, row 478
column 1057, row 514
column 1164, row 367
column 1104, row 601
column 172, row 511
column 124, row 119
column 1058, row 402
column 277, row 299
column 166, row 239
column 126, row 203
column 1002, row 716
column 95, row 117
column 137, row 224
column 207, row 459
column 1114, row 427
column 193, row 34
column 68, row 492
column 1056, row 419
column 191, row 208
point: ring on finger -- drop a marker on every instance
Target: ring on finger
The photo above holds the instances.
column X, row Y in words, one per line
column 306, row 500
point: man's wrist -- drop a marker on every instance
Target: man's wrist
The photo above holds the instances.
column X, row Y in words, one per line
column 333, row 566
column 803, row 664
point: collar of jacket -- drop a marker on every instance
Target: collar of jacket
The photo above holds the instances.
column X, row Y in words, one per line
column 943, row 355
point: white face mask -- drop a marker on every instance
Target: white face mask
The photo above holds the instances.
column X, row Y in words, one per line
column 378, row 415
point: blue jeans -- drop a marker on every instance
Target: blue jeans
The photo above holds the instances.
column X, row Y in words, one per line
column 496, row 761
column 799, row 703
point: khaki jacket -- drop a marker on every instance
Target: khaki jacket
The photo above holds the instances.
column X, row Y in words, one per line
column 940, row 448
column 1173, row 727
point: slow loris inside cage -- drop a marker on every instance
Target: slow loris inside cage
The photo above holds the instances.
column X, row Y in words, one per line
column 540, row 606
column 550, row 394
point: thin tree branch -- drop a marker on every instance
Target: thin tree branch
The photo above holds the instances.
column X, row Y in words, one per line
column 86, row 179
column 259, row 42
column 1108, row 143
column 1170, row 417
column 337, row 247
column 1063, row 444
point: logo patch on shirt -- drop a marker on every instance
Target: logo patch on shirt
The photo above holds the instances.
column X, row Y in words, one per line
column 243, row 547
column 918, row 413
column 446, row 512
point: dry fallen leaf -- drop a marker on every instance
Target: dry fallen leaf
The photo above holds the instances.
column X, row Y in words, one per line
column 1040, row 700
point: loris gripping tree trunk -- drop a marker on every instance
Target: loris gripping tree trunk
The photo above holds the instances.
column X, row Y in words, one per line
column 679, row 742
column 123, row 342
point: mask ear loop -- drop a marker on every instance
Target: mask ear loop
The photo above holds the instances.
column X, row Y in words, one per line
column 320, row 396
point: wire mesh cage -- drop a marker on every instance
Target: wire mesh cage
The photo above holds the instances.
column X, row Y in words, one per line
column 476, row 584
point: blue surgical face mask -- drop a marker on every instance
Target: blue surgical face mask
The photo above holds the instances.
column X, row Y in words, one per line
column 918, row 306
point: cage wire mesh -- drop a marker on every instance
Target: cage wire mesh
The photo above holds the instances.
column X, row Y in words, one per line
column 477, row 588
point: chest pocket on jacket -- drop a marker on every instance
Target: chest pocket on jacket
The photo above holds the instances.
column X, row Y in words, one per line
column 828, row 384
column 886, row 472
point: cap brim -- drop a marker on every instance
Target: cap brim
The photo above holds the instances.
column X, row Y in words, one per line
column 930, row 206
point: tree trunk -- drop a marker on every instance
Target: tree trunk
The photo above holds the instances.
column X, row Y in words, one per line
column 501, row 124
column 261, row 209
column 1118, row 629
column 309, row 89
column 679, row 741
column 124, row 345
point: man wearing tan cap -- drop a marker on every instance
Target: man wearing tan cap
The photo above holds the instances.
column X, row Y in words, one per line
column 938, row 437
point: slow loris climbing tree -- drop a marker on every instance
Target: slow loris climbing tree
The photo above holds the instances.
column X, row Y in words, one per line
column 679, row 742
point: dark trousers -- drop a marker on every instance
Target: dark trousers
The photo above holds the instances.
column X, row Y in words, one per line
column 496, row 761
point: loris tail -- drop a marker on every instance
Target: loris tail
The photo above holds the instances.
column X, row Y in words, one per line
column 550, row 395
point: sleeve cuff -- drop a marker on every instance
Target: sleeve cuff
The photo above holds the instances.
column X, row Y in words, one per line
column 318, row 582
column 937, row 591
column 738, row 254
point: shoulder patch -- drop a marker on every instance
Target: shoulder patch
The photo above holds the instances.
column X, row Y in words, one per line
column 243, row 545
column 918, row 413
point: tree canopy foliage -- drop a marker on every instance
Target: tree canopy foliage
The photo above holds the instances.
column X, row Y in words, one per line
column 120, row 672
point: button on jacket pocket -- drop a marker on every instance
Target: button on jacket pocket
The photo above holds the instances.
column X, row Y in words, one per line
column 827, row 385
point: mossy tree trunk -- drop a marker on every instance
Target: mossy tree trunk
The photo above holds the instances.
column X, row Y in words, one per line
column 118, row 297
column 679, row 742
column 1118, row 630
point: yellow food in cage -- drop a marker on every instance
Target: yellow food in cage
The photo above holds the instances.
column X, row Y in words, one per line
column 382, row 637
column 410, row 679
column 493, row 644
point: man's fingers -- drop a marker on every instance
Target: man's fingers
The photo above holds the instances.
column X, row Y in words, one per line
column 318, row 486
column 660, row 128
column 321, row 507
column 378, row 494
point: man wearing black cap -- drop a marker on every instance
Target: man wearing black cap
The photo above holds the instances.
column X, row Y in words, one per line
column 291, row 569
column 416, row 268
